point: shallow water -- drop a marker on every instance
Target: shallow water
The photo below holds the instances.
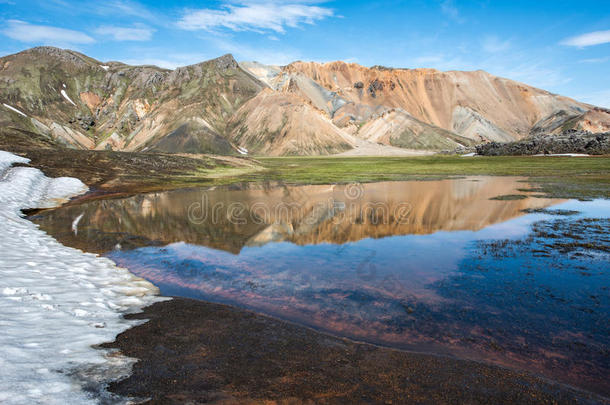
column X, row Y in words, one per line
column 433, row 266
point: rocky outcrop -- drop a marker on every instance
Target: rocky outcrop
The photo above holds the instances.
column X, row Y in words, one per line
column 594, row 120
column 567, row 143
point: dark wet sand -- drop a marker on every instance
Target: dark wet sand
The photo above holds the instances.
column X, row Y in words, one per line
column 197, row 352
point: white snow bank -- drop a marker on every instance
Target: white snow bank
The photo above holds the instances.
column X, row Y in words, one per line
column 56, row 302
column 105, row 67
column 471, row 154
column 63, row 93
column 14, row 109
column 241, row 150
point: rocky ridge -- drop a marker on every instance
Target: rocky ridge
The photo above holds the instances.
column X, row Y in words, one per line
column 306, row 108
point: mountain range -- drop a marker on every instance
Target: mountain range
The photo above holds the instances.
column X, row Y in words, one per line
column 305, row 108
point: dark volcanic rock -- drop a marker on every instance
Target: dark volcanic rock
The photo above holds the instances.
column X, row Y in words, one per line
column 374, row 87
column 569, row 142
column 85, row 122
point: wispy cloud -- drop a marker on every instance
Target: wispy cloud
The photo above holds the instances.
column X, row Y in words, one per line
column 595, row 60
column 513, row 64
column 440, row 61
column 449, row 9
column 123, row 8
column 428, row 59
column 599, row 98
column 26, row 32
column 493, row 44
column 139, row 33
column 272, row 55
column 252, row 15
column 535, row 74
column 589, row 39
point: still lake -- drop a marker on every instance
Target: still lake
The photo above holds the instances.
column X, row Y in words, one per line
column 432, row 266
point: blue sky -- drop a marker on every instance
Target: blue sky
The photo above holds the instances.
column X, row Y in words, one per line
column 561, row 46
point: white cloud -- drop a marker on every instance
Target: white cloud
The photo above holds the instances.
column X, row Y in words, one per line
column 449, row 9
column 537, row 72
column 139, row 33
column 534, row 74
column 439, row 61
column 428, row 59
column 252, row 15
column 493, row 44
column 589, row 39
column 598, row 98
column 121, row 7
column 595, row 60
column 26, row 32
column 279, row 55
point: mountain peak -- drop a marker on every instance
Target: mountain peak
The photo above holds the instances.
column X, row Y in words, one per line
column 223, row 62
column 59, row 52
column 62, row 55
column 226, row 61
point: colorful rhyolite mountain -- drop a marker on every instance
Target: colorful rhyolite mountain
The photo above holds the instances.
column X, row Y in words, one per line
column 223, row 107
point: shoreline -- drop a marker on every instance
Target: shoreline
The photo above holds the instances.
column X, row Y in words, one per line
column 58, row 303
column 195, row 351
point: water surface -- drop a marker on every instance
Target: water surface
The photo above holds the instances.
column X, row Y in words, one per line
column 433, row 266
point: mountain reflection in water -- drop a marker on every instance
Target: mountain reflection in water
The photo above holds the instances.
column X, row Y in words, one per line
column 230, row 218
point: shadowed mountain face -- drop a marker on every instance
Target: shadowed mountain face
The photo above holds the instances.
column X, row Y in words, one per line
column 223, row 107
column 86, row 104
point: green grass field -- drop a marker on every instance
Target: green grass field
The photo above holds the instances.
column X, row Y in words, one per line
column 331, row 169
column 129, row 173
column 571, row 177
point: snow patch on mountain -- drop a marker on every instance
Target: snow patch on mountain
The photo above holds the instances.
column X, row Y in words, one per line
column 63, row 93
column 14, row 109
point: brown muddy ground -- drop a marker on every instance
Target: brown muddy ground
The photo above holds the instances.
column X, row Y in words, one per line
column 194, row 352
column 119, row 173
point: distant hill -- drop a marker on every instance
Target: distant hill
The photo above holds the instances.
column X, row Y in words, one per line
column 88, row 104
column 222, row 107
